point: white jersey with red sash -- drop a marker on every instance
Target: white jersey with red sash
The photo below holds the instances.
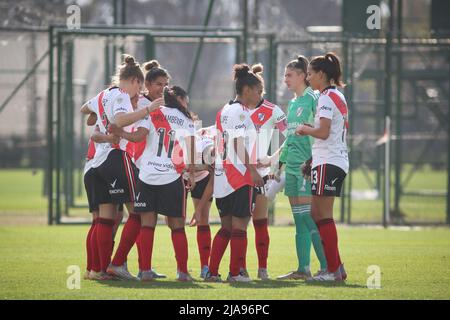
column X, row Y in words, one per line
column 136, row 149
column 232, row 121
column 266, row 117
column 333, row 150
column 106, row 105
column 163, row 159
column 92, row 146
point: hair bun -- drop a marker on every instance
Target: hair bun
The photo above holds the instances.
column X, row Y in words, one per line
column 129, row 60
column 257, row 68
column 240, row 70
column 151, row 65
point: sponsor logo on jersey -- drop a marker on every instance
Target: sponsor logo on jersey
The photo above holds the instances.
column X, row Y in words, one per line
column 113, row 185
column 326, row 108
column 140, row 204
column 299, row 111
column 241, row 126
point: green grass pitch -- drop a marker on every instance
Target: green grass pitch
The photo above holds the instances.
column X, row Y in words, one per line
column 413, row 264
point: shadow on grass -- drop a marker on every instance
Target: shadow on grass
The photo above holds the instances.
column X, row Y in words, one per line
column 199, row 284
column 341, row 284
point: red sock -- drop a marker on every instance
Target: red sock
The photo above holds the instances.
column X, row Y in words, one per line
column 104, row 241
column 138, row 247
column 129, row 235
column 204, row 244
column 95, row 266
column 180, row 246
column 89, row 246
column 262, row 241
column 146, row 237
column 218, row 248
column 238, row 250
column 328, row 233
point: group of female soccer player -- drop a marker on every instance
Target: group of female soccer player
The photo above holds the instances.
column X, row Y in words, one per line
column 146, row 153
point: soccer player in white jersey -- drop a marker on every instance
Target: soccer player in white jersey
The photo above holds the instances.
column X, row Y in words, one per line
column 201, row 194
column 235, row 174
column 329, row 156
column 112, row 165
column 161, row 188
column 266, row 117
column 156, row 78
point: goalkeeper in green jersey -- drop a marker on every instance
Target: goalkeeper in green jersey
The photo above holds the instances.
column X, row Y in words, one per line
column 296, row 151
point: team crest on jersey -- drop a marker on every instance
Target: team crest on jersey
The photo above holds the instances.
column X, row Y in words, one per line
column 242, row 117
column 119, row 100
column 261, row 116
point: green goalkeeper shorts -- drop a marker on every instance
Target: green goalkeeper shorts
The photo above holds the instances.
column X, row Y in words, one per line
column 297, row 186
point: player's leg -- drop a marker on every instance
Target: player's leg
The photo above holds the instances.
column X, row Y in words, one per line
column 146, row 238
column 180, row 245
column 203, row 236
column 219, row 244
column 299, row 199
column 90, row 255
column 242, row 204
column 262, row 239
column 322, row 205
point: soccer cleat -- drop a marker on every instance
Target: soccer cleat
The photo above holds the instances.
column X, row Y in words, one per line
column 139, row 275
column 239, row 278
column 86, row 275
column 295, row 275
column 120, row 272
column 328, row 277
column 146, row 276
column 343, row 272
column 101, row 276
column 210, row 278
column 183, row 277
column 204, row 272
column 157, row 275
column 244, row 272
column 262, row 274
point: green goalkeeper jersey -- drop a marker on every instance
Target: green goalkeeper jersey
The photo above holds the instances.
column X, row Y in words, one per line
column 297, row 149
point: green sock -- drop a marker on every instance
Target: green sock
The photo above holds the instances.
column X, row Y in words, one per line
column 302, row 237
column 316, row 240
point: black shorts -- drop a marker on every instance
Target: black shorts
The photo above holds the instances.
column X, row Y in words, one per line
column 199, row 189
column 240, row 203
column 167, row 199
column 327, row 180
column 115, row 179
column 262, row 190
column 93, row 186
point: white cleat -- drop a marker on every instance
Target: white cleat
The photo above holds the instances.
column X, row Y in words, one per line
column 120, row 272
column 326, row 276
column 183, row 277
column 238, row 278
column 211, row 278
column 100, row 276
column 147, row 276
column 263, row 274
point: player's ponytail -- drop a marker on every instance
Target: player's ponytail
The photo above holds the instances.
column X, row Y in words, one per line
column 128, row 70
column 331, row 66
column 244, row 76
column 299, row 64
column 171, row 94
column 153, row 70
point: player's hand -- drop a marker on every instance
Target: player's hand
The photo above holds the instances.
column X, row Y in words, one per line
column 302, row 130
column 264, row 162
column 91, row 119
column 155, row 105
column 113, row 138
column 194, row 220
column 114, row 129
column 191, row 181
column 305, row 169
column 256, row 178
